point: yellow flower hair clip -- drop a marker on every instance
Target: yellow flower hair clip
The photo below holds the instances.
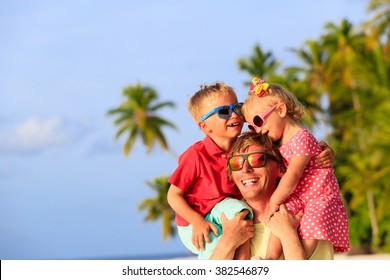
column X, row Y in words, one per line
column 259, row 87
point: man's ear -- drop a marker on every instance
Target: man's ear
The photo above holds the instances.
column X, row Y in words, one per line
column 280, row 173
column 282, row 109
column 281, row 170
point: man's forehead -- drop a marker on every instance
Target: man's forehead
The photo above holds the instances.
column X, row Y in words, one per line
column 252, row 147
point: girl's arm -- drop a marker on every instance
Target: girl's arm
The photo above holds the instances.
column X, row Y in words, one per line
column 287, row 184
column 200, row 227
column 284, row 226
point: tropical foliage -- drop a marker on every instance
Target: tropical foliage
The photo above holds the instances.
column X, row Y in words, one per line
column 344, row 79
column 158, row 206
column 136, row 116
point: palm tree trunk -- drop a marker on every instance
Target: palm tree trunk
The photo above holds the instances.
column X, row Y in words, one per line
column 173, row 154
column 373, row 219
column 369, row 193
column 166, row 223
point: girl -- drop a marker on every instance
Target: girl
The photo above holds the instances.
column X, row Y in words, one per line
column 272, row 110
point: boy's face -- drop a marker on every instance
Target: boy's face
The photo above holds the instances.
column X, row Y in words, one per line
column 218, row 127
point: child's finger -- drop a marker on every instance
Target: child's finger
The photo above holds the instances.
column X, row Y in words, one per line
column 207, row 237
column 201, row 244
column 299, row 215
column 195, row 242
column 214, row 229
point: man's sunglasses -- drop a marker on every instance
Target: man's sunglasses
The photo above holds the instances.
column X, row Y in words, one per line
column 259, row 120
column 255, row 160
column 225, row 112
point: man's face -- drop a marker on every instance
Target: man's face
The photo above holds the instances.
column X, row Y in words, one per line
column 254, row 183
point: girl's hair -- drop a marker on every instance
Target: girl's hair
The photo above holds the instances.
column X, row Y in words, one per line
column 250, row 138
column 295, row 109
column 201, row 98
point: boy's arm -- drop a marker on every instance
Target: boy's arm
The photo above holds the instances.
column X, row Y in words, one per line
column 287, row 184
column 200, row 227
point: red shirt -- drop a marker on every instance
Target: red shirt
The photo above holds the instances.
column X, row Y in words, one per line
column 202, row 175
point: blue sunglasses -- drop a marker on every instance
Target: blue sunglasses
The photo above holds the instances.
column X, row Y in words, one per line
column 225, row 112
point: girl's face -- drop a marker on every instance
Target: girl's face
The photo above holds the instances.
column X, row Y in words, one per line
column 265, row 116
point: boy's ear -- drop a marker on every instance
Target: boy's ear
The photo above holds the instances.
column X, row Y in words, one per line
column 203, row 126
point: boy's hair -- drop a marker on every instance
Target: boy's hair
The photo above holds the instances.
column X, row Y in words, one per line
column 250, row 138
column 204, row 96
column 295, row 109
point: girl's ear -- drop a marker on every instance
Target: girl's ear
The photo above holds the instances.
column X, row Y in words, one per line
column 282, row 109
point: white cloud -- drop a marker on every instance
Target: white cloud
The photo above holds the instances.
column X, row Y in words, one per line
column 36, row 134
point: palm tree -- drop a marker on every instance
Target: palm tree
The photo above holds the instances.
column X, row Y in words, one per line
column 313, row 57
column 314, row 79
column 379, row 24
column 358, row 97
column 136, row 116
column 158, row 206
column 260, row 64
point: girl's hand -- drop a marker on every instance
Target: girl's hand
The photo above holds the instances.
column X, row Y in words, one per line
column 271, row 210
column 284, row 223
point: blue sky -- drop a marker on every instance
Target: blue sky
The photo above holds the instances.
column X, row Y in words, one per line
column 66, row 190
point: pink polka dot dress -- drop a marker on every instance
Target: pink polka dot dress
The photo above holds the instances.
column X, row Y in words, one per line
column 317, row 194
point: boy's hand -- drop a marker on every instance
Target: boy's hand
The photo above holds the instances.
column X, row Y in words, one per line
column 201, row 232
column 326, row 158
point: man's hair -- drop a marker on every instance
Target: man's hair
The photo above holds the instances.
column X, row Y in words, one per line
column 201, row 98
column 252, row 138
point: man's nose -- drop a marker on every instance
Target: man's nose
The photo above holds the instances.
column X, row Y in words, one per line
column 246, row 167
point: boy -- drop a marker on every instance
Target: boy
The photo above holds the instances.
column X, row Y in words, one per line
column 200, row 187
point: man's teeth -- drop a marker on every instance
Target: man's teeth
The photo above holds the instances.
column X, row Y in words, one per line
column 249, row 181
column 233, row 124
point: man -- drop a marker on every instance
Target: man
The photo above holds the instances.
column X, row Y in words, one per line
column 255, row 166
